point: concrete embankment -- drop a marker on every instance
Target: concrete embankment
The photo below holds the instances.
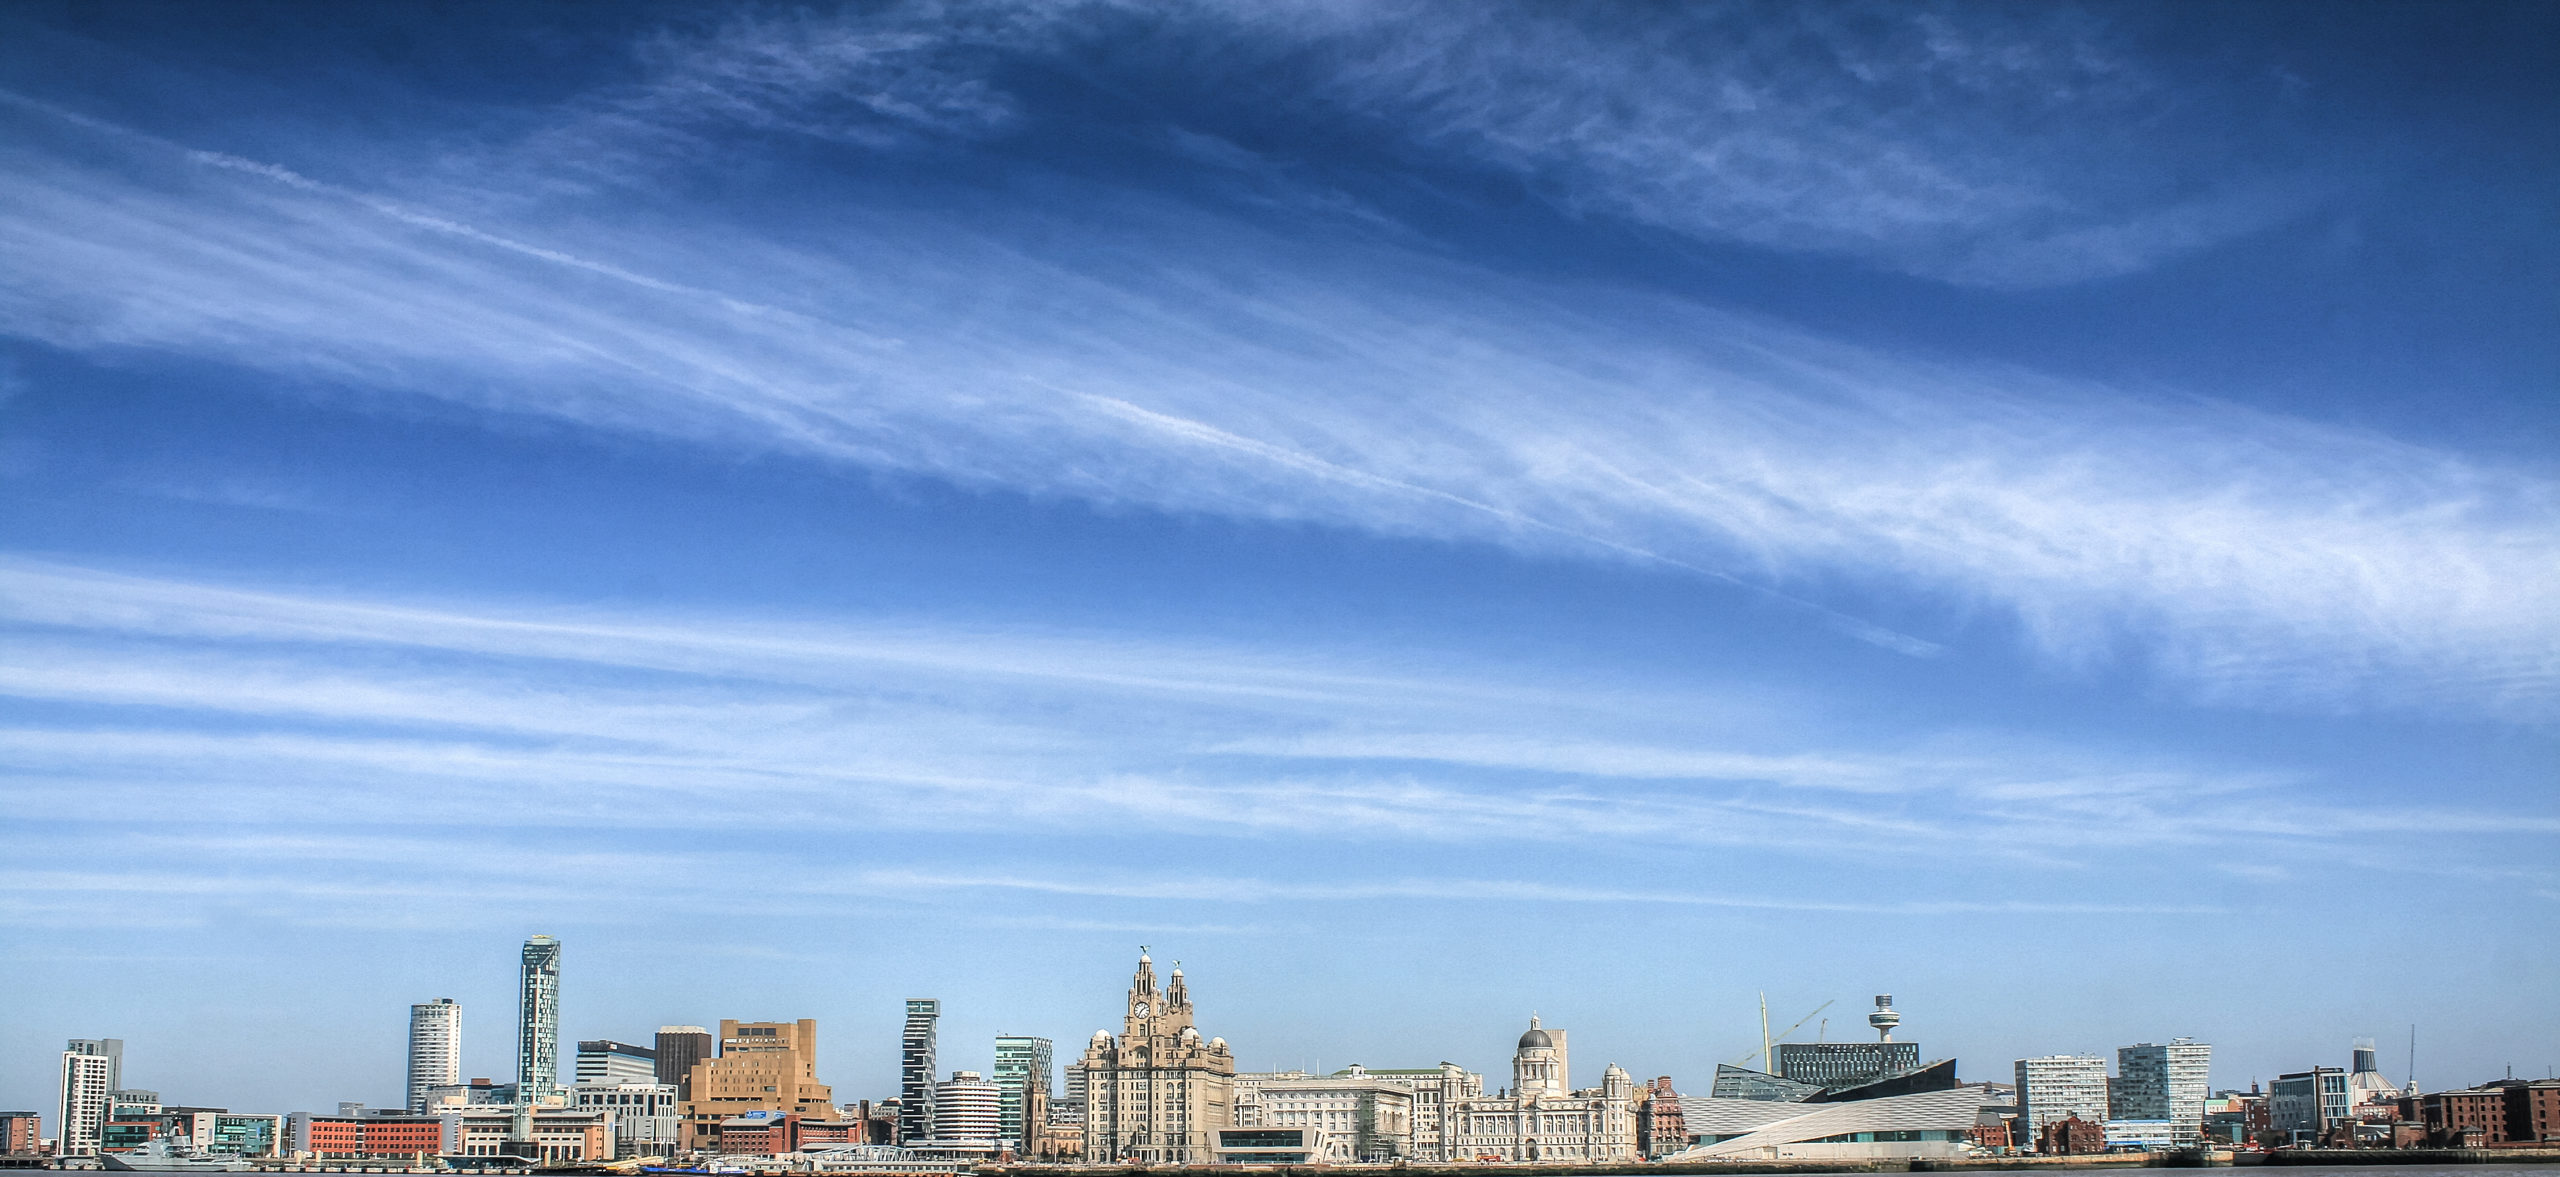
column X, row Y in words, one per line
column 2339, row 1158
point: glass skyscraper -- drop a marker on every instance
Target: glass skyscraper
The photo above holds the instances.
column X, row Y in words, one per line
column 538, row 1022
column 1022, row 1068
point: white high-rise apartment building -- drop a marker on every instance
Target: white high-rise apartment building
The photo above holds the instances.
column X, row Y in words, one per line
column 2059, row 1086
column 88, row 1075
column 435, row 1048
column 2163, row 1082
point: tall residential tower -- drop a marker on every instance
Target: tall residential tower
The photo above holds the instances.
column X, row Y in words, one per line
column 538, row 1021
column 915, row 1070
column 435, row 1048
column 91, row 1068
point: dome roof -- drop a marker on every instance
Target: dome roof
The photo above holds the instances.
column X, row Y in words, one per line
column 1536, row 1038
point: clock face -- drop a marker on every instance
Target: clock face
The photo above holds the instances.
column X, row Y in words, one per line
column 1142, row 1009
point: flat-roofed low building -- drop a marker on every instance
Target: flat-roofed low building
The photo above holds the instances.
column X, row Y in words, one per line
column 351, row 1137
column 2143, row 1135
column 247, row 1134
column 1267, row 1145
column 645, row 1122
column 1364, row 1118
column 561, row 1136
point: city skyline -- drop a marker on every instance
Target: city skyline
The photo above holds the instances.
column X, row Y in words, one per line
column 2101, row 1063
column 1440, row 511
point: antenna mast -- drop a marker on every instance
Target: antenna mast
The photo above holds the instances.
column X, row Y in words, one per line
column 1768, row 1063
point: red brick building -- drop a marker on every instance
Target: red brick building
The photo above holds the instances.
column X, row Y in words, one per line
column 1661, row 1127
column 2533, row 1111
column 2457, row 1119
column 2071, row 1136
column 760, row 1134
column 21, row 1132
column 372, row 1136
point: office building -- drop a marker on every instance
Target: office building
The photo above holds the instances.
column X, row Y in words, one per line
column 2058, row 1086
column 2303, row 1105
column 916, row 1073
column 1542, row 1118
column 762, row 1066
column 21, row 1133
column 604, row 1061
column 1157, row 1093
column 435, row 1048
column 1022, row 1074
column 2166, row 1082
column 559, row 1136
column 967, row 1114
column 679, row 1048
column 1358, row 1117
column 538, row 1022
column 1835, row 1065
column 474, row 1094
column 1435, row 1089
column 90, row 1068
column 357, row 1135
column 247, row 1134
column 645, row 1117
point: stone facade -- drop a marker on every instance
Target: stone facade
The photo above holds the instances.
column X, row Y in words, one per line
column 1159, row 1092
column 1541, row 1118
column 1362, row 1117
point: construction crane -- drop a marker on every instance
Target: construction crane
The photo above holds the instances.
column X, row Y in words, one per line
column 1768, row 1045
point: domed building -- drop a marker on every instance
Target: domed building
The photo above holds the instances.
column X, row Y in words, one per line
column 1541, row 1118
column 1159, row 1092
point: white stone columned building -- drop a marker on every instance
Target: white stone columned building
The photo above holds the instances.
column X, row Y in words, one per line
column 1541, row 1118
column 1158, row 1093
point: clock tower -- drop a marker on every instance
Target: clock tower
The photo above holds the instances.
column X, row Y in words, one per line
column 1158, row 1092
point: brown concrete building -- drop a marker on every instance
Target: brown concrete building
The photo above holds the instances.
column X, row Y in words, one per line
column 762, row 1067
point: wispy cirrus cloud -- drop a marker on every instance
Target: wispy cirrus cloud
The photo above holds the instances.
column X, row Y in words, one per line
column 257, row 698
column 2246, row 558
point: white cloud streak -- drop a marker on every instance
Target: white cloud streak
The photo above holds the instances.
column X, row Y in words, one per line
column 2248, row 559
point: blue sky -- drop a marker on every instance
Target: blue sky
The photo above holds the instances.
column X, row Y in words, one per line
column 1421, row 512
